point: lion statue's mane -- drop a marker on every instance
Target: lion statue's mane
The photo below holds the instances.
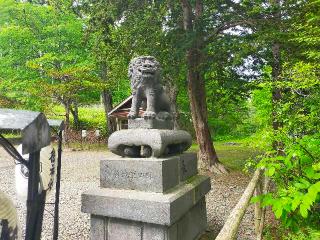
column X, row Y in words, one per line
column 147, row 92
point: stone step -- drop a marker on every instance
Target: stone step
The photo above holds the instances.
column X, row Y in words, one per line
column 156, row 208
column 147, row 174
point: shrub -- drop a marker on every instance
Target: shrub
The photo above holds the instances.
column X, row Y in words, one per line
column 90, row 118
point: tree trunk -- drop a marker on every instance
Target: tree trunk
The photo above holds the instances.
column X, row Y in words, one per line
column 75, row 113
column 172, row 92
column 67, row 120
column 107, row 103
column 276, row 72
column 107, row 100
column 196, row 90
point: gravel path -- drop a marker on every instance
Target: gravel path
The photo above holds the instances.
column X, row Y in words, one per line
column 224, row 195
column 80, row 172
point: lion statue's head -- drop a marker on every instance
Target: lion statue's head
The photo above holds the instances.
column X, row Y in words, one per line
column 144, row 70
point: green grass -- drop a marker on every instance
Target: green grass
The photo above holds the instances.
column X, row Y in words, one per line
column 235, row 156
column 11, row 135
column 232, row 156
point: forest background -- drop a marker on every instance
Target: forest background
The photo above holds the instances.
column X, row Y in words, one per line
column 232, row 69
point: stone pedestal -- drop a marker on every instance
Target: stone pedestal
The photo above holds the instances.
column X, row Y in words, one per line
column 140, row 123
column 161, row 142
column 148, row 199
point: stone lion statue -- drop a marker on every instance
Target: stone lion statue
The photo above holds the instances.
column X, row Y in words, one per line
column 145, row 76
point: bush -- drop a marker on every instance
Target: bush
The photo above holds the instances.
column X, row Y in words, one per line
column 90, row 118
column 296, row 173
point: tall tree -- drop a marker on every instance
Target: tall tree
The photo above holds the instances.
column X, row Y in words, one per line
column 272, row 35
column 102, row 19
column 276, row 69
column 196, row 84
column 51, row 64
column 204, row 22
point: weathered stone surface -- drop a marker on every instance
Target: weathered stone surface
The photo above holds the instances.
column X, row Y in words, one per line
column 147, row 91
column 193, row 223
column 98, row 227
column 154, row 232
column 150, row 123
column 157, row 208
column 119, row 229
column 161, row 142
column 145, row 174
column 188, row 227
column 188, row 165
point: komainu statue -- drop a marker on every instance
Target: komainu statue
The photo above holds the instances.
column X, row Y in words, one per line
column 147, row 91
column 152, row 134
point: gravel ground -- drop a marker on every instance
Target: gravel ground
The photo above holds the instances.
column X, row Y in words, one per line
column 224, row 195
column 80, row 172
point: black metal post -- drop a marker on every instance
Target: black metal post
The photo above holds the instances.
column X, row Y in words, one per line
column 35, row 201
column 41, row 204
column 57, row 200
column 5, row 234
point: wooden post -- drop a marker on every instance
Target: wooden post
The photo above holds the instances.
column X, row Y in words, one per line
column 265, row 190
column 118, row 124
column 257, row 207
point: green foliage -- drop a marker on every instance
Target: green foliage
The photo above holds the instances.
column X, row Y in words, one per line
column 295, row 169
column 279, row 232
column 292, row 157
column 297, row 175
column 43, row 57
column 304, row 234
column 65, row 52
column 91, row 118
column 307, row 30
column 121, row 30
column 262, row 107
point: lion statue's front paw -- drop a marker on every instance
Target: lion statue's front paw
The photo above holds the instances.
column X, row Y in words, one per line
column 132, row 115
column 164, row 116
column 149, row 115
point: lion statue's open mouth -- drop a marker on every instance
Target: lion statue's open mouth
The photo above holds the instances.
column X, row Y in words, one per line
column 147, row 71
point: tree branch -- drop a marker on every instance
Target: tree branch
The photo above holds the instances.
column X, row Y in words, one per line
column 228, row 25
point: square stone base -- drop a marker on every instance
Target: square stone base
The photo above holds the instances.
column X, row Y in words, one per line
column 150, row 123
column 157, row 208
column 147, row 174
column 148, row 199
column 188, row 227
